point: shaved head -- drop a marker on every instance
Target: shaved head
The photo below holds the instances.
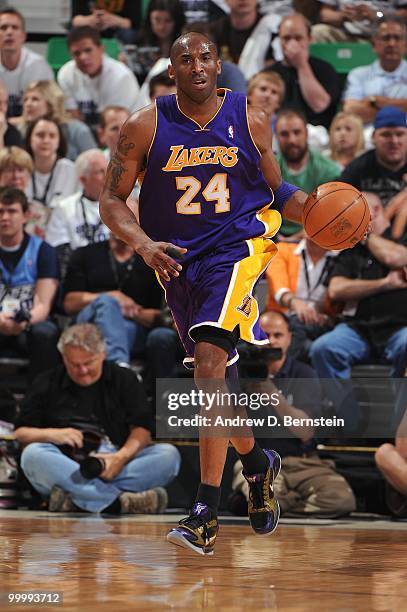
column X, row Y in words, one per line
column 183, row 42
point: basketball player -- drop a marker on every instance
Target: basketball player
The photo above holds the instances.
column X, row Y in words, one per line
column 208, row 179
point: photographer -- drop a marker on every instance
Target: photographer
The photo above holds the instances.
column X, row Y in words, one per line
column 307, row 485
column 28, row 284
column 89, row 403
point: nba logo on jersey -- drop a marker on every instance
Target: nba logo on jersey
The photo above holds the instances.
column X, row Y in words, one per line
column 246, row 305
column 231, row 131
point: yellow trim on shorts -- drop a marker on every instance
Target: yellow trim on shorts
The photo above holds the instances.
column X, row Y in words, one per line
column 271, row 220
column 240, row 291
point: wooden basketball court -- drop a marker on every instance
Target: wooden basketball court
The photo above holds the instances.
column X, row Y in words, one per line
column 126, row 564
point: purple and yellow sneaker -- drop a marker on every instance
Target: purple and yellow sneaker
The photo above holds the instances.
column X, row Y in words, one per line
column 197, row 531
column 264, row 509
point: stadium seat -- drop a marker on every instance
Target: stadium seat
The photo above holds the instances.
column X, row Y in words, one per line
column 344, row 56
column 58, row 52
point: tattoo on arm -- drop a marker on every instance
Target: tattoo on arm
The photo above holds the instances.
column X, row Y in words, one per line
column 116, row 166
column 116, row 170
column 124, row 147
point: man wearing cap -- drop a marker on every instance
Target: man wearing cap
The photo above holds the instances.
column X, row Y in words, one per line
column 383, row 170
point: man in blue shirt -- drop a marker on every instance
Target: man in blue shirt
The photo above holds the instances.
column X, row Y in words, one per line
column 383, row 83
column 28, row 284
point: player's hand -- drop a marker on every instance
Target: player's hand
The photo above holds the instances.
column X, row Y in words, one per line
column 160, row 257
column 67, row 435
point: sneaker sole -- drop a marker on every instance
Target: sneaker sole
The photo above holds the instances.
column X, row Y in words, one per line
column 179, row 540
column 275, row 526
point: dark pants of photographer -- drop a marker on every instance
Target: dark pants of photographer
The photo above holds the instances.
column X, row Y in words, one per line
column 39, row 345
column 306, row 486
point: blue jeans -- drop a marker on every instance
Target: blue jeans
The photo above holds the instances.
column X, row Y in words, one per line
column 333, row 356
column 334, row 353
column 162, row 348
column 123, row 337
column 45, row 466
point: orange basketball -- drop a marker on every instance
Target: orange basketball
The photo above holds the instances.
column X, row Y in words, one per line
column 336, row 216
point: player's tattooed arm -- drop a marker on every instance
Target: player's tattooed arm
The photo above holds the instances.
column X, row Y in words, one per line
column 118, row 165
column 124, row 167
column 126, row 164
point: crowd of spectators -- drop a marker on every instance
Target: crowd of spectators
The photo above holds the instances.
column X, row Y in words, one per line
column 61, row 269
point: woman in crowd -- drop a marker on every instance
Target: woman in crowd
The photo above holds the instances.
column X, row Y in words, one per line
column 54, row 176
column 16, row 168
column 345, row 138
column 47, row 98
column 163, row 23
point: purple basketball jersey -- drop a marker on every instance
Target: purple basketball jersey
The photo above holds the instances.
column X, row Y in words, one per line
column 203, row 187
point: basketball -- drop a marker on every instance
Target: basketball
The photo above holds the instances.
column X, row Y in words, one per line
column 336, row 216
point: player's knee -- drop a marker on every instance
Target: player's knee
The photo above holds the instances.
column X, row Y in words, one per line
column 210, row 361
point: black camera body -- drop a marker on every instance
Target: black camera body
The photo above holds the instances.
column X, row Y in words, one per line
column 91, row 467
column 254, row 360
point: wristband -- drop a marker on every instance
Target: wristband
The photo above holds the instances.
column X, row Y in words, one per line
column 283, row 193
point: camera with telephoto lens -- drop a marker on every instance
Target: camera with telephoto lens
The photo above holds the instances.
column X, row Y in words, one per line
column 89, row 466
column 22, row 315
column 254, row 360
column 92, row 467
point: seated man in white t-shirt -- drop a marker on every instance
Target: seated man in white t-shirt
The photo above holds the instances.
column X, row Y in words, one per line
column 18, row 64
column 92, row 80
column 76, row 222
